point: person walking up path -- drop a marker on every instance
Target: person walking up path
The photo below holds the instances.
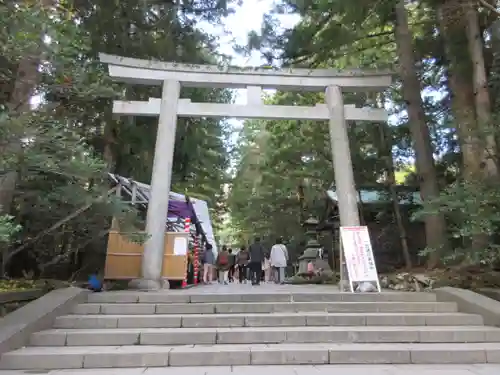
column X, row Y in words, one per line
column 232, row 265
column 208, row 261
column 279, row 259
column 256, row 251
column 223, row 265
column 242, row 260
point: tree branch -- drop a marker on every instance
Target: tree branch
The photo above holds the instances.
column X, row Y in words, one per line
column 62, row 256
column 52, row 228
column 487, row 5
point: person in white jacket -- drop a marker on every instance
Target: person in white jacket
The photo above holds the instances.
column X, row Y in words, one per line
column 279, row 259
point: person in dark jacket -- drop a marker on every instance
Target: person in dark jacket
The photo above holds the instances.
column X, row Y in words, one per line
column 257, row 252
column 232, row 265
column 242, row 259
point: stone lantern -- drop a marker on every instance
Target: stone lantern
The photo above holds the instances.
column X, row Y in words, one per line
column 311, row 251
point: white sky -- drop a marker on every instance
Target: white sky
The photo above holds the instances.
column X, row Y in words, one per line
column 248, row 17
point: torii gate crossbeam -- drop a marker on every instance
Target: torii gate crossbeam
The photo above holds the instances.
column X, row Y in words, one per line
column 172, row 76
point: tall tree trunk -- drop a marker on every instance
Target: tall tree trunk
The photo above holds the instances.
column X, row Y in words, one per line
column 464, row 112
column 462, row 93
column 18, row 104
column 361, row 209
column 494, row 71
column 470, row 97
column 390, row 180
column 385, row 153
column 435, row 225
column 480, row 83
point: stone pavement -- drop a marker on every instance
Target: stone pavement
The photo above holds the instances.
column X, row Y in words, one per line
column 478, row 369
column 263, row 288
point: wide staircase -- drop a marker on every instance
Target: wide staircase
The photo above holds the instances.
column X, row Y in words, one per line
column 252, row 326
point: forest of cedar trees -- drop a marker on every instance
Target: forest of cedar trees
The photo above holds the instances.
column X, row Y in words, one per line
column 59, row 138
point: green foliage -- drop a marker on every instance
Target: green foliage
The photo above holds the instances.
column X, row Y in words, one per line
column 8, row 228
column 360, row 35
column 56, row 166
column 278, row 157
column 472, row 212
column 71, row 140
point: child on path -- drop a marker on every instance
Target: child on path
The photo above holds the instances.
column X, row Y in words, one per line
column 266, row 267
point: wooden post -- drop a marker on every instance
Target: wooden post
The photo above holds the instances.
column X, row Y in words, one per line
column 187, row 229
column 195, row 259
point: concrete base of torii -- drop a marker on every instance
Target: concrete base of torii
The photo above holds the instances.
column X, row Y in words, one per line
column 149, row 285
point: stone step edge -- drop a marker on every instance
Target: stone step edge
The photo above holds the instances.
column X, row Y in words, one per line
column 345, row 303
column 36, row 358
column 212, row 336
column 228, row 308
column 149, row 297
column 292, row 319
column 446, row 328
column 273, row 314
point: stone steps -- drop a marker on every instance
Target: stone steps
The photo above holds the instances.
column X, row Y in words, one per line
column 264, row 335
column 261, row 308
column 252, row 327
column 35, row 358
column 267, row 320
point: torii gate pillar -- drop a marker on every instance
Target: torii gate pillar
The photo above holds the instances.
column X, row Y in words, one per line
column 341, row 155
column 161, row 179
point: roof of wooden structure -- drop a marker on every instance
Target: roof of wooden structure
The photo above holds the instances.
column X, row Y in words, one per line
column 381, row 196
column 370, row 197
column 179, row 207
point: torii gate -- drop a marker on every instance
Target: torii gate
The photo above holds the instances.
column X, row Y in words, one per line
column 172, row 76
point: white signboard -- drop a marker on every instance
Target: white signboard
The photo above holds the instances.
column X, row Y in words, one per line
column 358, row 255
column 180, row 246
